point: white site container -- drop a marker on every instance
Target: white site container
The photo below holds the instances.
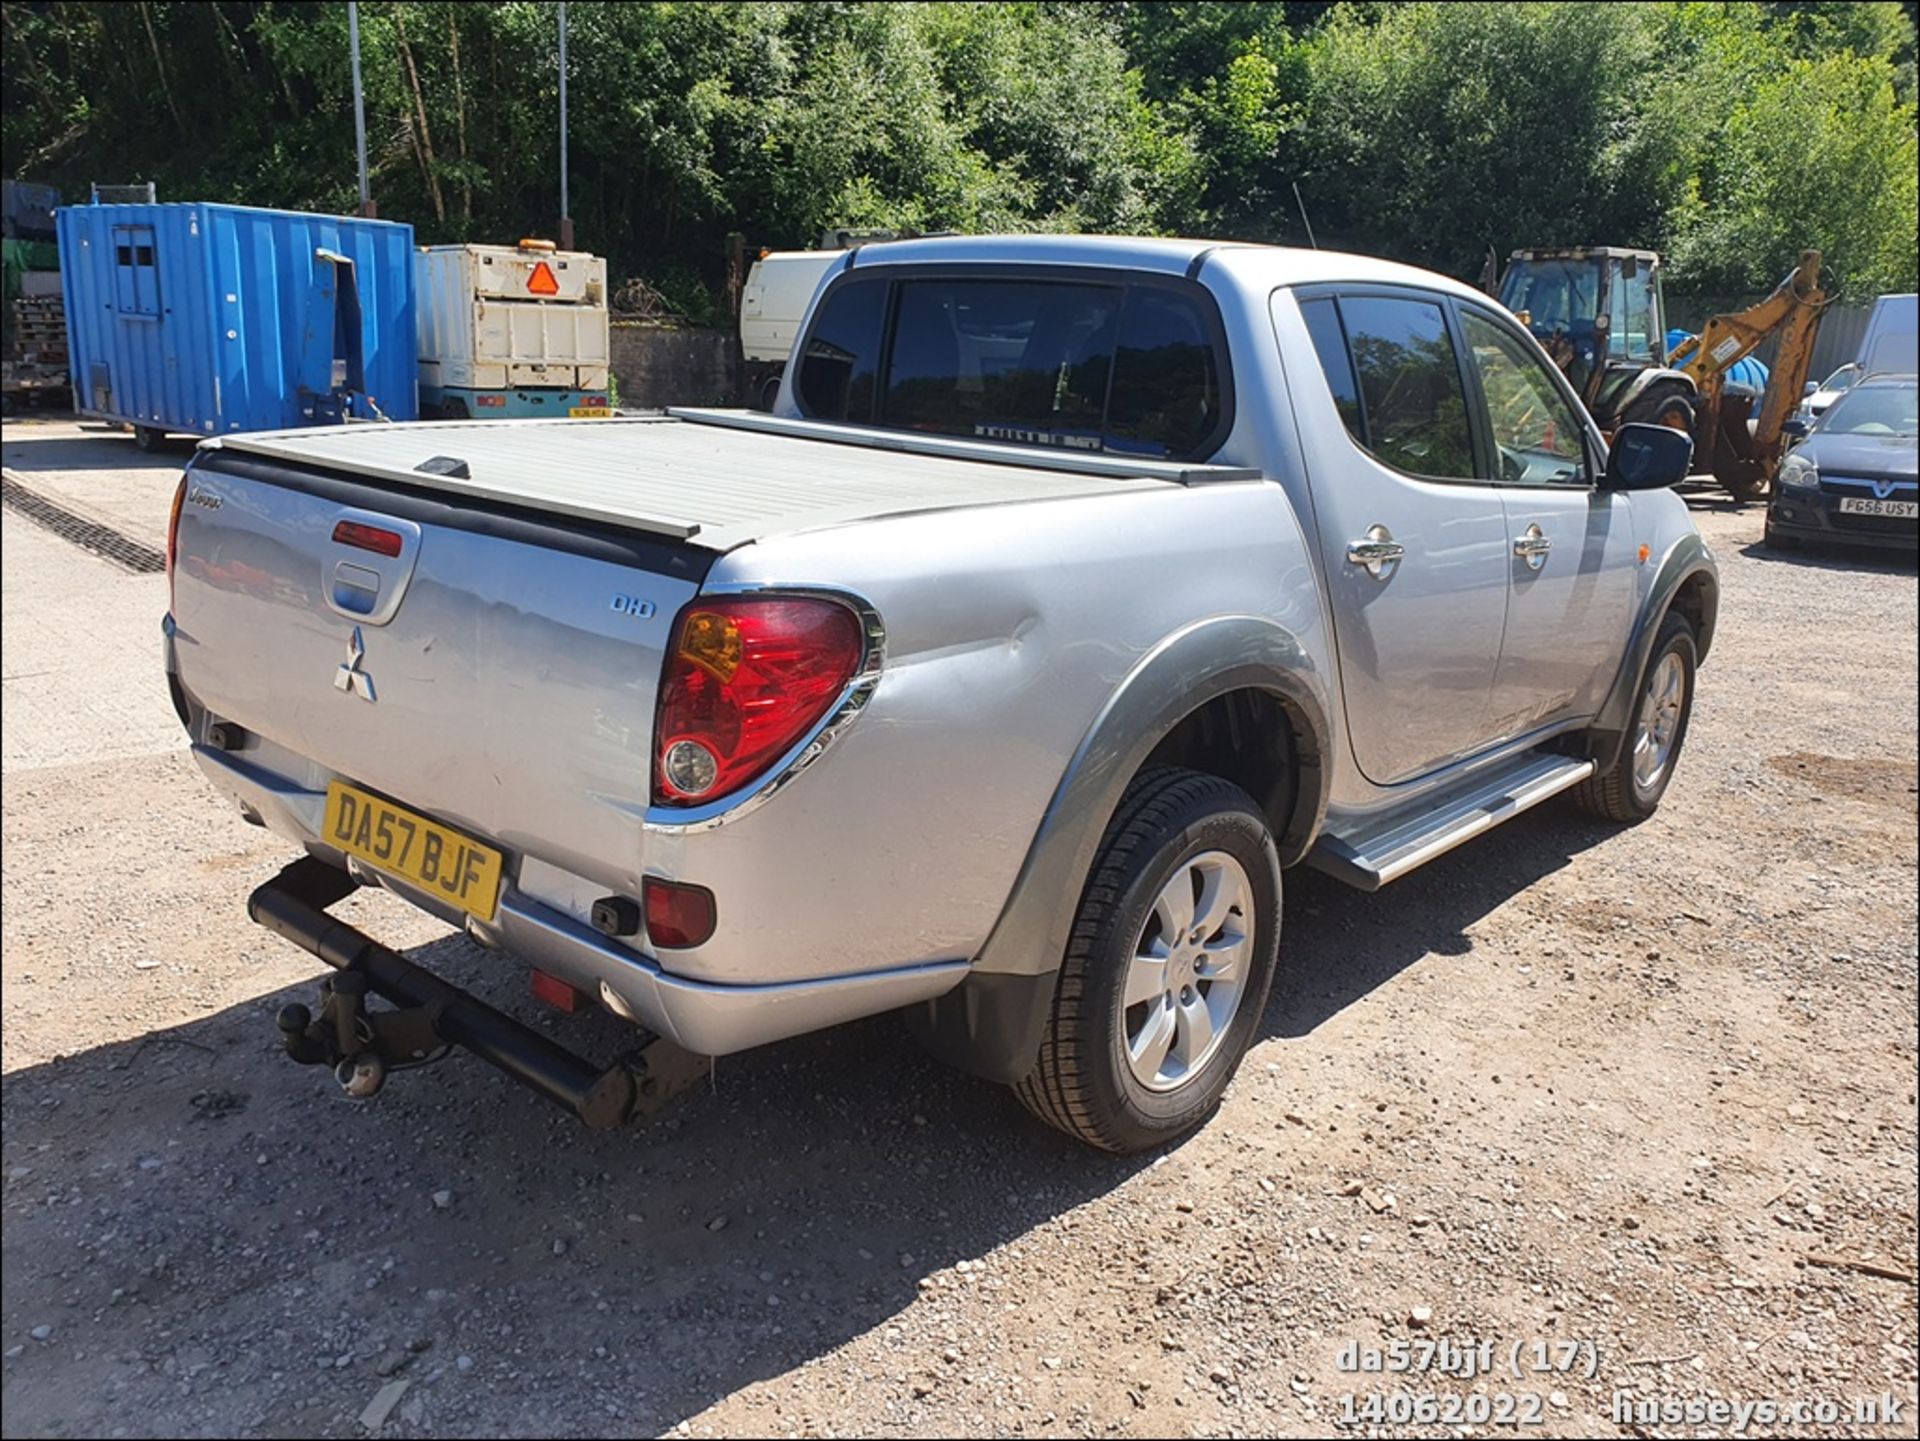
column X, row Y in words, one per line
column 500, row 317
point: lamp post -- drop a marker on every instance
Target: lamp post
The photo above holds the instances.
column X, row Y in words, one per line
column 566, row 211
column 359, row 109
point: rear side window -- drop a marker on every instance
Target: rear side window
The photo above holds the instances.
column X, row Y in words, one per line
column 1412, row 410
column 1126, row 368
column 1330, row 344
column 843, row 354
column 1166, row 385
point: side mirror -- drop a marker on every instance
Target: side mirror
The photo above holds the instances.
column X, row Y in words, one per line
column 1647, row 457
column 1795, row 426
column 1812, row 388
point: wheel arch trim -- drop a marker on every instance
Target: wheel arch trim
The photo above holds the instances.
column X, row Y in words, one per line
column 1182, row 673
column 1686, row 560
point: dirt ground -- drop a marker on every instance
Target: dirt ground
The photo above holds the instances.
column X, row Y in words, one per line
column 1569, row 1084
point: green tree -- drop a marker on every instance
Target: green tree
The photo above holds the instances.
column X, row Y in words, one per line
column 1436, row 131
column 1731, row 132
column 1823, row 155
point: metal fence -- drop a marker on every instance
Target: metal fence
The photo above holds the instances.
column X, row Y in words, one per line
column 1842, row 328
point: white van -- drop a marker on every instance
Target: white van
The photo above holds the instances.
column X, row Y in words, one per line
column 779, row 288
column 1891, row 345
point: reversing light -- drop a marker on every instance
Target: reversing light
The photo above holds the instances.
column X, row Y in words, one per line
column 691, row 768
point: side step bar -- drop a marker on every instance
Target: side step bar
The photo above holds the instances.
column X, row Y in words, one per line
column 1386, row 849
column 294, row 905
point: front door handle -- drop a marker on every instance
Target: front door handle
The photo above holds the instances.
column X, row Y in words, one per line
column 1533, row 547
column 1378, row 551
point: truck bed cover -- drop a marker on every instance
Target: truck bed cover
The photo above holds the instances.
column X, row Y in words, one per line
column 716, row 479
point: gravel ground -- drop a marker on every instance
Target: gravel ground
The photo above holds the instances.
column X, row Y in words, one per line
column 1568, row 1084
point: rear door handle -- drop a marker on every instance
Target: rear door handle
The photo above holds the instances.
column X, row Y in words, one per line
column 1378, row 551
column 1532, row 547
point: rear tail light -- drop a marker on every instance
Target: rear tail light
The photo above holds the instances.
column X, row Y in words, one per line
column 677, row 915
column 748, row 677
column 173, row 534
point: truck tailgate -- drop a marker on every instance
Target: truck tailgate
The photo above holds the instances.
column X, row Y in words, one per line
column 510, row 663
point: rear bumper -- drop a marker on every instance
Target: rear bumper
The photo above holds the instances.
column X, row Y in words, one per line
column 524, row 403
column 711, row 1019
column 1816, row 516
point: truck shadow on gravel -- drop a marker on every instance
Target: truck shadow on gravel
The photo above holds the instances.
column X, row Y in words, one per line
column 224, row 1245
column 1338, row 944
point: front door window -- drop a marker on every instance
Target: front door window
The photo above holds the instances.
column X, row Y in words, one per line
column 1536, row 433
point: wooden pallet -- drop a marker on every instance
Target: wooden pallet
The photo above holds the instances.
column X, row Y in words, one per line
column 40, row 329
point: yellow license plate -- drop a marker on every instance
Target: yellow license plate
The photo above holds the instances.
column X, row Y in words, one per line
column 590, row 412
column 459, row 871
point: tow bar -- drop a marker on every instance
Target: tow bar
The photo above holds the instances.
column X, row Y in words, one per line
column 363, row 1046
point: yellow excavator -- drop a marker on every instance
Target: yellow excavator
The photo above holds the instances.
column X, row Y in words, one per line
column 1598, row 311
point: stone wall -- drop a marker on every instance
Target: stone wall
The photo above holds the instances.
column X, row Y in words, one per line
column 658, row 366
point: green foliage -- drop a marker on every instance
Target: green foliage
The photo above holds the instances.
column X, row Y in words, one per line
column 1444, row 129
column 1820, row 155
column 1728, row 132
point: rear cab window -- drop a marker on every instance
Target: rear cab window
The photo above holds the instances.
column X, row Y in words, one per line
column 1119, row 364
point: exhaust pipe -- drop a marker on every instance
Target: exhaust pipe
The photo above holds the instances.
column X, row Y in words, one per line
column 293, row 904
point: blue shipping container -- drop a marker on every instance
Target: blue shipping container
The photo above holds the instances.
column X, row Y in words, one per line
column 207, row 319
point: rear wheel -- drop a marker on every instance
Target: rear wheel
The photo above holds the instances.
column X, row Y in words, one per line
column 147, row 438
column 1631, row 789
column 1168, row 967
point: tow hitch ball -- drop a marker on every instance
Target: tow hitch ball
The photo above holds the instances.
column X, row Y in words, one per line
column 354, row 1041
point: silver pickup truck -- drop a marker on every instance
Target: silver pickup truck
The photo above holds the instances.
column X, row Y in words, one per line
column 1076, row 589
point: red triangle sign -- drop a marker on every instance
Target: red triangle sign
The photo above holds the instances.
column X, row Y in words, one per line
column 542, row 281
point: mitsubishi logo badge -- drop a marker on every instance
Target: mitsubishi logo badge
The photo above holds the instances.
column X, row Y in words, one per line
column 350, row 676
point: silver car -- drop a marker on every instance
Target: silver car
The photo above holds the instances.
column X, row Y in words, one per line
column 1077, row 588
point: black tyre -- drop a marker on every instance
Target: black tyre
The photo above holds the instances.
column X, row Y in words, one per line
column 1168, row 967
column 147, row 438
column 1665, row 402
column 1631, row 789
column 1777, row 540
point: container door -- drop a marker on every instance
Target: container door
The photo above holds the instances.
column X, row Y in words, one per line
column 335, row 371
